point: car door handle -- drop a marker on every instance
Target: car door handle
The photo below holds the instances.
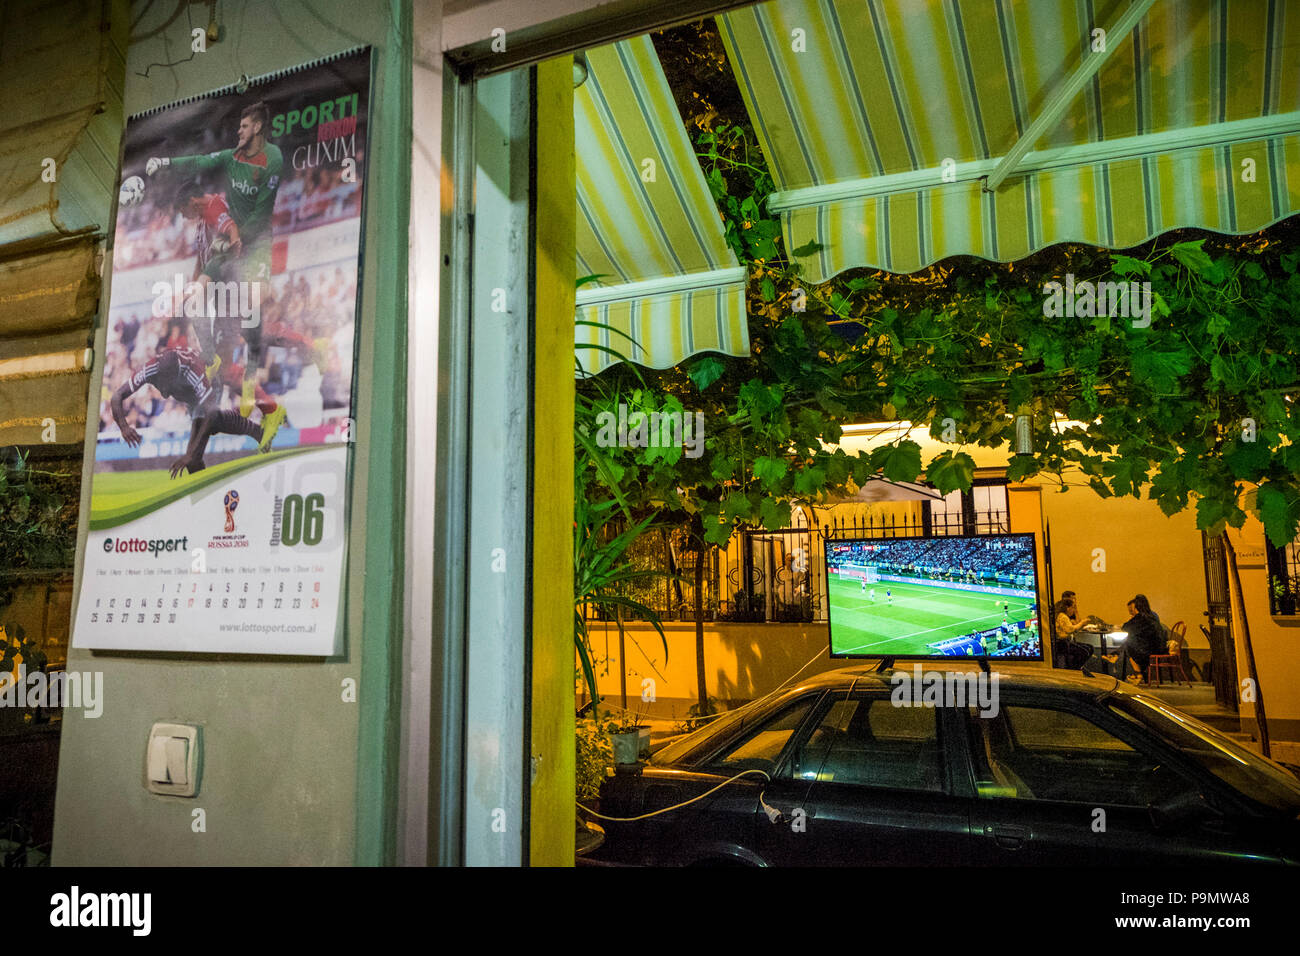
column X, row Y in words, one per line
column 1009, row 836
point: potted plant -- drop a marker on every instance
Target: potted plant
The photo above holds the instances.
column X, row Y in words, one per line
column 1283, row 598
column 630, row 738
column 594, row 756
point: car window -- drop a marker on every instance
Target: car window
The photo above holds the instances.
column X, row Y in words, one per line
column 870, row 742
column 1042, row 753
column 1258, row 777
column 761, row 748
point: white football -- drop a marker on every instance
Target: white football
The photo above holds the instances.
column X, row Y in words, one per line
column 132, row 191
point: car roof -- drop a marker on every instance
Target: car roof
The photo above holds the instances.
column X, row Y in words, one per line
column 1018, row 676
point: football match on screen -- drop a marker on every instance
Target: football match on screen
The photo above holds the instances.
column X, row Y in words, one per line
column 934, row 597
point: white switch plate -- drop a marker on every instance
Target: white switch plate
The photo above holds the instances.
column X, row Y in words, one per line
column 171, row 760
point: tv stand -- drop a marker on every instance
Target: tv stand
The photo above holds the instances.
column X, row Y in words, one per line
column 984, row 664
column 885, row 665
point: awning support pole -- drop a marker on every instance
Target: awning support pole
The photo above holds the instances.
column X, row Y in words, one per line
column 1064, row 94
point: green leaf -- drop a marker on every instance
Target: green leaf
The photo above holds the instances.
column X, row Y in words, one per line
column 1100, row 487
column 1279, row 510
column 1161, row 369
column 755, row 397
column 1210, row 514
column 706, row 370
column 717, row 534
column 809, row 481
column 951, row 471
column 761, row 247
column 1192, row 256
column 901, row 462
column 1159, row 306
column 775, row 515
column 770, row 470
column 1126, row 266
column 1127, row 474
column 1021, row 467
column 767, row 288
column 1247, row 460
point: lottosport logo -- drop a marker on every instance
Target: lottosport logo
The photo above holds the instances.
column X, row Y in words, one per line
column 231, row 503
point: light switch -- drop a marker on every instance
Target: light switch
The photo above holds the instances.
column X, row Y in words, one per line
column 158, row 760
column 177, row 752
column 172, row 760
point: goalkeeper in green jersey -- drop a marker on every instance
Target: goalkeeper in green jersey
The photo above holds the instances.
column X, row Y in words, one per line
column 252, row 176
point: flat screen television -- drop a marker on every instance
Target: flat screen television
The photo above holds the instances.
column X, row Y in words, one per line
column 967, row 596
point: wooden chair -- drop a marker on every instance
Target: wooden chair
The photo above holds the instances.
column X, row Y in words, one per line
column 1174, row 662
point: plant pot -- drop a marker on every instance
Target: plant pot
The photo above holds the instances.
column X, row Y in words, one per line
column 629, row 747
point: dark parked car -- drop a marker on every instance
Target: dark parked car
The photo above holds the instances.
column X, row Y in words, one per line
column 1066, row 769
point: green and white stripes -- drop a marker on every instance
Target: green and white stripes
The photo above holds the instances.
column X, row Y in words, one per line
column 857, row 126
column 647, row 223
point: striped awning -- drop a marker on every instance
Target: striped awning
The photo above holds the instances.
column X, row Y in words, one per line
column 47, row 314
column 901, row 132
column 61, row 69
column 647, row 224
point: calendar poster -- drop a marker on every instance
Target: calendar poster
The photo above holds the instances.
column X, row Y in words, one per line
column 219, row 500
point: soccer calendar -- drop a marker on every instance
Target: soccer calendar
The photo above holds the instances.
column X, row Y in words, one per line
column 220, row 492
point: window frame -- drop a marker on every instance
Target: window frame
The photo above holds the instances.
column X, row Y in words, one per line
column 944, row 732
column 703, row 761
column 1098, row 716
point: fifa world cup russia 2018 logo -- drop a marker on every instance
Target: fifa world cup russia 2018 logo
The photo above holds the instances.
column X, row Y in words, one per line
column 232, row 502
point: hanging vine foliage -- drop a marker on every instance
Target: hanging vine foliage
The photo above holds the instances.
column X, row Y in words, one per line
column 1190, row 402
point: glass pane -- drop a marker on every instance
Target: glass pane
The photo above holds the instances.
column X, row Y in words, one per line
column 1242, row 769
column 761, row 749
column 874, row 744
column 1035, row 753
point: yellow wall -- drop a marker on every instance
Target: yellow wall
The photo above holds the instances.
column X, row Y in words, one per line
column 1276, row 640
column 743, row 661
column 1145, row 553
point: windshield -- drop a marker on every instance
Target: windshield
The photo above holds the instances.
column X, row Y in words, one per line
column 1245, row 771
column 675, row 751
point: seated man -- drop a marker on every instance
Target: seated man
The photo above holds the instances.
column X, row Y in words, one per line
column 1145, row 637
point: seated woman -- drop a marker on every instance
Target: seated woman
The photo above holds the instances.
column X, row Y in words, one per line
column 1073, row 653
column 1145, row 637
column 1067, row 617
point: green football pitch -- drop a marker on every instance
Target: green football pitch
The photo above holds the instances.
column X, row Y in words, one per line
column 121, row 496
column 918, row 615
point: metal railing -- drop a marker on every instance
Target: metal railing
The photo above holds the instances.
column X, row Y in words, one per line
column 1283, row 578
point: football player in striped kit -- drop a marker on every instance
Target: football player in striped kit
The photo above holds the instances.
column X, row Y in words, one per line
column 180, row 374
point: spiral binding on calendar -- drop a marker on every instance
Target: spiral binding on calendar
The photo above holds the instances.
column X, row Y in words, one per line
column 255, row 80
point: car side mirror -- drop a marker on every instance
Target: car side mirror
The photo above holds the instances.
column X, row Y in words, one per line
column 1181, row 811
